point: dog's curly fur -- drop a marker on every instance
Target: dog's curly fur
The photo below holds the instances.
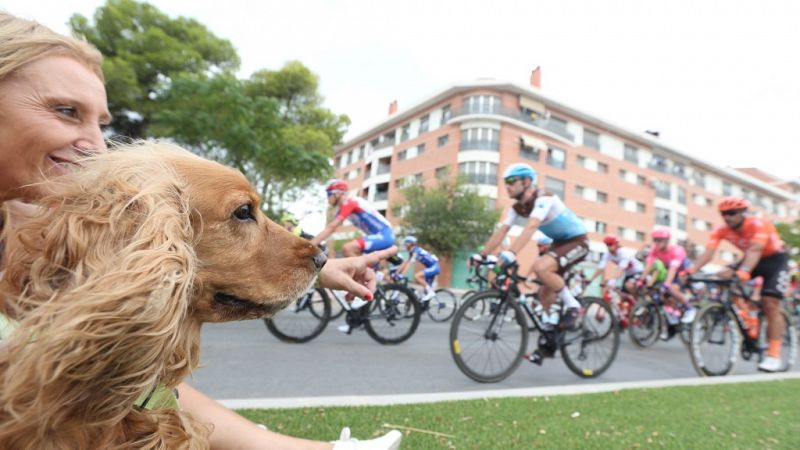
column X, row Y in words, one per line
column 110, row 285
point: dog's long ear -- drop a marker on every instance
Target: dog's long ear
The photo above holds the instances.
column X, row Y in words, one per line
column 100, row 283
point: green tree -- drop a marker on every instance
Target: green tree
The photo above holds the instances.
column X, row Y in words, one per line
column 790, row 233
column 144, row 50
column 448, row 217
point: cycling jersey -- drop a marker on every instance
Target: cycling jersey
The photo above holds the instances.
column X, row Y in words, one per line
column 752, row 231
column 557, row 221
column 673, row 256
column 427, row 258
column 625, row 259
column 362, row 215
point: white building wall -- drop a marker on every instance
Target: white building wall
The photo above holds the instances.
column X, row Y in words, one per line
column 611, row 146
column 576, row 130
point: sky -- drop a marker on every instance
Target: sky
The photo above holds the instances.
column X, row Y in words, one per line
column 717, row 79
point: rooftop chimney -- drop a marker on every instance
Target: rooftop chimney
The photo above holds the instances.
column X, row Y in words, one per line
column 536, row 77
column 393, row 107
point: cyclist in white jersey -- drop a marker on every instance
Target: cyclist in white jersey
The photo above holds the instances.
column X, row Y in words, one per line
column 546, row 212
column 628, row 267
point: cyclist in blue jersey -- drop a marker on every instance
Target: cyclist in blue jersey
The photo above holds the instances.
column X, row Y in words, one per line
column 378, row 234
column 545, row 212
column 426, row 275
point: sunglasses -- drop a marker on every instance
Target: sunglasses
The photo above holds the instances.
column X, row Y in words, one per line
column 329, row 193
column 512, row 180
column 730, row 213
column 661, row 240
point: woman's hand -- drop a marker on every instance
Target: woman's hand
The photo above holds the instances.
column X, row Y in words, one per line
column 355, row 274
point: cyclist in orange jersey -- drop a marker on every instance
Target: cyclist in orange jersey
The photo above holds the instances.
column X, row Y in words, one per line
column 764, row 256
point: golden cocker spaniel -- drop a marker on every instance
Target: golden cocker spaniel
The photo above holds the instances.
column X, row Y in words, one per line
column 109, row 286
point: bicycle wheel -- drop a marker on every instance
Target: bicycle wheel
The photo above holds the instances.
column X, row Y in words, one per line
column 394, row 315
column 644, row 323
column 488, row 348
column 303, row 320
column 442, row 306
column 476, row 310
column 715, row 341
column 589, row 351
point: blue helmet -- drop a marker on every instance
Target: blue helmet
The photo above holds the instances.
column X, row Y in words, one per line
column 410, row 240
column 520, row 170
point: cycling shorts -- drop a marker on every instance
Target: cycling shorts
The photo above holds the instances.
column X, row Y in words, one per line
column 431, row 272
column 569, row 252
column 774, row 269
column 378, row 241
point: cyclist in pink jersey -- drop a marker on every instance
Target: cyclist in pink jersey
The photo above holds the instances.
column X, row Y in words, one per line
column 378, row 234
column 674, row 258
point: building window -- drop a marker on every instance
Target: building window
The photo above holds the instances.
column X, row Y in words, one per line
column 663, row 217
column 337, row 162
column 600, row 227
column 482, row 104
column 442, row 141
column 404, row 132
column 621, row 202
column 640, row 180
column 558, row 126
column 480, row 139
column 447, row 113
column 579, row 190
column 727, row 189
column 640, row 208
column 682, row 221
column 529, row 153
column 663, row 189
column 681, row 195
column 699, row 179
column 362, row 151
column 554, row 186
column 602, row 197
column 402, row 156
column 479, row 172
column 591, row 139
column 581, row 160
column 556, row 158
column 631, row 154
column 424, row 124
column 420, row 149
column 640, row 236
column 659, row 163
column 602, row 167
column 441, row 172
column 678, row 170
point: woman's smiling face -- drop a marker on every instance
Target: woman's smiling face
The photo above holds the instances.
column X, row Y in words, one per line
column 52, row 111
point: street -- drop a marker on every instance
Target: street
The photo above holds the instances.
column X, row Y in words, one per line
column 242, row 360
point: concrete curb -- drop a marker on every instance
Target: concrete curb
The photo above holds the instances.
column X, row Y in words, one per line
column 573, row 389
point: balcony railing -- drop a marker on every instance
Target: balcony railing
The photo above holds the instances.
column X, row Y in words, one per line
column 541, row 122
column 479, row 144
column 384, row 144
column 381, row 196
column 382, row 169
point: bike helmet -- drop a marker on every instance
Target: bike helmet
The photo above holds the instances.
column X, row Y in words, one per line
column 733, row 204
column 660, row 233
column 520, row 170
column 611, row 239
column 336, row 185
column 410, row 240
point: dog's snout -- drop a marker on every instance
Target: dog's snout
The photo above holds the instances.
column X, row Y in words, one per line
column 319, row 259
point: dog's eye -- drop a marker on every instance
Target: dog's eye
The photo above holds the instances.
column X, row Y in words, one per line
column 244, row 213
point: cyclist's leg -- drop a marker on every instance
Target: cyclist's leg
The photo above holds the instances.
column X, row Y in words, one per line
column 546, row 268
column 378, row 241
column 429, row 275
column 354, row 247
column 551, row 267
column 774, row 271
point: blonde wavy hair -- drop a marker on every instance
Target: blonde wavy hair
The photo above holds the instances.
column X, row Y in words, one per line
column 24, row 41
column 101, row 284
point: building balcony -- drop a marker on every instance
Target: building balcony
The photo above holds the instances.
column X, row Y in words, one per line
column 479, row 144
column 545, row 123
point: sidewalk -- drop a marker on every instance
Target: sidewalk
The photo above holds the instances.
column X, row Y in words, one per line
column 573, row 389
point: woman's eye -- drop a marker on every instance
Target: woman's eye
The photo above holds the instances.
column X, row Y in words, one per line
column 68, row 111
column 244, row 213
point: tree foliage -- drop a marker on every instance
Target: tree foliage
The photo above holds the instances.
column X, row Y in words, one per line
column 790, row 233
column 143, row 51
column 448, row 217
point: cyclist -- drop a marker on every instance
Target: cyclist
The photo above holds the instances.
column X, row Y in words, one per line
column 546, row 212
column 426, row 276
column 292, row 225
column 675, row 261
column 627, row 265
column 764, row 256
column 378, row 231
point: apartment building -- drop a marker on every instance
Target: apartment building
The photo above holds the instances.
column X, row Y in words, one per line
column 617, row 180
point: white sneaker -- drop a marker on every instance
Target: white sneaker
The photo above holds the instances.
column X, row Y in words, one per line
column 428, row 296
column 689, row 315
column 771, row 364
column 389, row 441
column 344, row 328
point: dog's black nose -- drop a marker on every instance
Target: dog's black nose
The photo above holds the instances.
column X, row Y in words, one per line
column 319, row 260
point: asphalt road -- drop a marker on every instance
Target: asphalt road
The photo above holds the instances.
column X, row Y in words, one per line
column 243, row 360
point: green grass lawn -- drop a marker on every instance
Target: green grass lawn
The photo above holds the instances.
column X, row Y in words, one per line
column 731, row 416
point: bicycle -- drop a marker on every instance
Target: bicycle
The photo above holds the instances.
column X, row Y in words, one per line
column 480, row 270
column 720, row 332
column 391, row 317
column 440, row 308
column 650, row 318
column 491, row 347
